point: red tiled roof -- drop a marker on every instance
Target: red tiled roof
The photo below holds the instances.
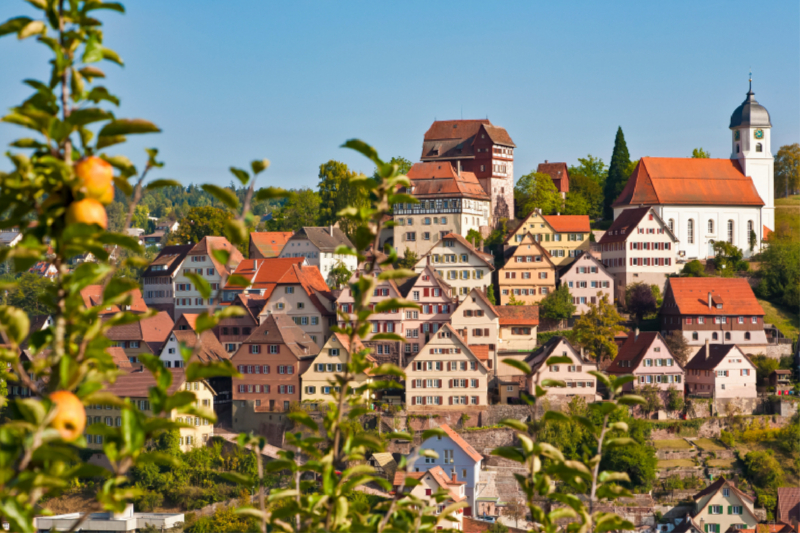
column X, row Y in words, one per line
column 433, row 179
column 400, row 477
column 718, row 354
column 190, row 319
column 766, row 233
column 624, row 225
column 120, row 358
column 569, row 223
column 137, row 384
column 518, row 315
column 455, row 437
column 280, row 329
column 634, row 349
column 210, row 348
column 454, row 129
column 558, row 173
column 481, row 351
column 93, row 296
column 487, row 258
column 154, row 331
column 688, row 181
column 270, row 243
column 210, row 243
column 788, row 504
column 690, row 296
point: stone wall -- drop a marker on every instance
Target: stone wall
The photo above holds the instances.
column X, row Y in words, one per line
column 784, row 408
column 268, row 424
column 776, row 351
column 696, row 471
column 676, row 454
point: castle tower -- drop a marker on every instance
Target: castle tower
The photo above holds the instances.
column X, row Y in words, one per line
column 750, row 138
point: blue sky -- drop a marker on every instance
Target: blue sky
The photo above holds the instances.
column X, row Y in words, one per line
column 232, row 81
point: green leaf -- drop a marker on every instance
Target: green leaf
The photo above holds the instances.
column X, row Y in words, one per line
column 507, row 452
column 513, row 423
column 631, row 399
column 226, row 196
column 259, row 166
column 158, row 184
column 364, row 149
column 271, row 193
column 128, row 126
column 198, row 371
column 15, row 323
column 27, row 143
column 94, row 4
column 92, row 72
column 202, row 284
column 555, row 416
column 81, row 117
column 96, row 94
column 240, row 174
column 124, row 185
column 237, row 479
column 34, row 27
column 522, row 366
column 17, row 519
column 303, row 418
column 109, row 140
column 179, row 399
column 558, row 360
column 430, row 433
column 619, row 442
column 111, row 55
column 553, row 383
column 14, row 25
column 126, row 241
column 93, row 51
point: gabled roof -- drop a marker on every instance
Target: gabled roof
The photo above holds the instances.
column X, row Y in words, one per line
column 569, row 223
column 270, row 243
column 171, row 258
column 93, row 296
column 455, row 139
column 210, row 348
column 558, row 173
column 326, row 239
column 688, row 525
column 518, row 315
column 406, row 286
column 187, row 319
column 634, row 349
column 688, row 181
column 690, row 296
column 717, row 485
column 486, row 258
column 478, row 293
column 154, row 331
column 137, row 384
column 281, row 329
column 718, row 354
column 210, row 243
column 461, row 443
column 537, row 358
column 571, row 268
column 481, row 351
column 453, row 335
column 626, row 223
column 436, row 178
column 120, row 357
column 527, row 240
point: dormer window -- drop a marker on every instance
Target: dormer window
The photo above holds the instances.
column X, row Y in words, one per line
column 719, row 306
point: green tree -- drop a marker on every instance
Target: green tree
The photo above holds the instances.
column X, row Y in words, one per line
column 590, row 167
column 490, row 294
column 497, row 527
column 693, row 269
column 652, row 399
column 409, row 259
column 576, row 204
column 404, row 165
column 200, row 222
column 536, row 190
column 787, row 170
column 678, row 346
column 31, row 293
column 639, row 300
column 140, row 215
column 618, row 173
column 728, row 259
column 475, row 238
column 514, row 301
column 558, row 304
column 699, row 153
column 674, row 399
column 780, row 273
column 764, row 367
column 638, row 461
column 339, row 189
column 763, row 469
column 339, row 276
column 596, row 329
column 590, row 189
column 300, row 210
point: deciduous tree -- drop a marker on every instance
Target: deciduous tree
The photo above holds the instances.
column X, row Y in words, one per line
column 558, row 304
column 787, row 170
column 536, row 191
column 200, row 222
column 339, row 276
column 640, row 301
column 699, row 153
column 678, row 346
column 300, row 210
column 590, row 189
column 597, row 328
column 339, row 189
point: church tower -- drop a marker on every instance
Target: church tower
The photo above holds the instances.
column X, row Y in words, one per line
column 750, row 134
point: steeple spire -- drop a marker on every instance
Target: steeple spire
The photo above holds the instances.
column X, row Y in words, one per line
column 751, row 82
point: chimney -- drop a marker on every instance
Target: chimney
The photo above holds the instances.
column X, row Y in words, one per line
column 331, row 230
column 709, row 300
column 636, row 335
column 582, row 356
column 545, row 161
column 458, row 168
column 708, row 350
column 455, row 477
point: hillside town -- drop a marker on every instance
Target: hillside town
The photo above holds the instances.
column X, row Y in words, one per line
column 495, row 297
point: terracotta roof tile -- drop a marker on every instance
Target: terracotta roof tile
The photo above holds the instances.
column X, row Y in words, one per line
column 558, row 173
column 468, row 449
column 270, row 243
column 437, row 178
column 154, row 331
column 688, row 181
column 137, row 384
column 569, row 223
column 481, row 351
column 624, row 225
column 120, row 357
column 633, row 350
column 171, row 257
column 789, row 504
column 690, row 295
column 281, row 329
column 210, row 243
column 210, row 348
column 93, row 296
column 518, row 315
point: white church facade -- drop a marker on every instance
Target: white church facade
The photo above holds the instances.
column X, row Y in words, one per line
column 704, row 201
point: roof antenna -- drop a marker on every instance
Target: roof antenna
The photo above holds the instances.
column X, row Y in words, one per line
column 751, row 79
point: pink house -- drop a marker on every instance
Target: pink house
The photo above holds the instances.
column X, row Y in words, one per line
column 433, row 295
column 647, row 357
column 721, row 371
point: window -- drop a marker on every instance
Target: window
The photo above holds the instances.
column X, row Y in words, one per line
column 730, row 231
column 671, row 224
column 289, row 290
column 759, row 147
column 714, row 336
column 710, row 226
column 695, row 336
column 726, row 492
column 690, row 231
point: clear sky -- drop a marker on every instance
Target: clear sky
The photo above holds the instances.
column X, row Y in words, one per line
column 234, row 80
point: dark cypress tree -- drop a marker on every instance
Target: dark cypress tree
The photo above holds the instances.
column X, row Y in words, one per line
column 617, row 174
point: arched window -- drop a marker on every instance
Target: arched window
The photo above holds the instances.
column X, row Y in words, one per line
column 671, row 225
column 730, row 231
column 737, row 148
column 747, row 335
column 749, row 228
column 695, row 336
column 759, row 147
column 710, row 226
column 690, row 231
column 714, row 336
column 727, row 336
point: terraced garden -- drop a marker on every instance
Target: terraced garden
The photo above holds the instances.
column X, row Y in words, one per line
column 676, row 463
column 709, row 445
column 721, row 463
column 672, row 444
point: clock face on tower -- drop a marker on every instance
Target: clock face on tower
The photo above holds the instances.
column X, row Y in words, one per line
column 736, row 135
column 758, row 134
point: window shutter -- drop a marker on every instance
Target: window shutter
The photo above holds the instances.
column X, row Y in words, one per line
column 485, row 332
column 424, row 384
column 440, row 400
column 451, row 398
column 450, row 385
column 439, row 384
column 448, row 367
column 477, row 400
column 413, row 383
column 729, row 509
column 706, row 528
column 413, row 400
column 424, row 400
column 426, row 291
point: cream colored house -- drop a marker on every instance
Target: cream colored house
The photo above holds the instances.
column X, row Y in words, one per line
column 529, row 274
column 136, row 386
column 477, row 321
column 446, row 373
column 317, row 382
column 721, row 371
column 201, row 261
column 574, row 374
column 565, row 237
column 459, row 264
column 430, row 482
column 721, row 505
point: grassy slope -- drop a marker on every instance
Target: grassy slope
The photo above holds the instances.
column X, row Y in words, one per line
column 672, row 463
column 709, row 445
column 786, row 320
column 791, row 200
column 787, row 216
column 671, row 444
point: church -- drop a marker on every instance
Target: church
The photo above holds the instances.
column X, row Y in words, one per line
column 704, row 201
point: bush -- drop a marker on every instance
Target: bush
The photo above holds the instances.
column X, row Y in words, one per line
column 148, row 501
column 727, row 438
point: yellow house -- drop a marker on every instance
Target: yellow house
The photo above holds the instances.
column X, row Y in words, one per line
column 136, row 386
column 565, row 237
column 432, row 481
column 317, row 383
column 721, row 505
column 529, row 274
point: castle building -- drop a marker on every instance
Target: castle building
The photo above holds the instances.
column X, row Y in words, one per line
column 704, row 201
column 481, row 148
